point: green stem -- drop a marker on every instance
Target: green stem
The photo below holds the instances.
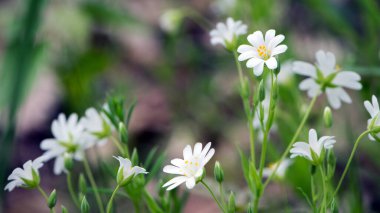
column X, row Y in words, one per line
column 71, row 189
column 313, row 191
column 300, row 127
column 323, row 205
column 151, row 203
column 93, row 185
column 222, row 195
column 247, row 108
column 136, row 205
column 213, row 195
column 349, row 161
column 109, row 205
column 122, row 149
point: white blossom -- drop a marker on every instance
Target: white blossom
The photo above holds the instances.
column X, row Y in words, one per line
column 190, row 167
column 281, row 171
column 227, row 33
column 126, row 172
column 27, row 176
column 373, row 110
column 326, row 77
column 262, row 51
column 97, row 126
column 68, row 138
column 312, row 150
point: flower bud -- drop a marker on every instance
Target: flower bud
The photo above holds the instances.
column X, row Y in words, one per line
column 250, row 208
column 82, row 184
column 231, row 208
column 68, row 161
column 123, row 133
column 64, row 209
column 327, row 117
column 218, row 172
column 84, row 206
column 261, row 90
column 52, row 200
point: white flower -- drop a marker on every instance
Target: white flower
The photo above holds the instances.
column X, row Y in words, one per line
column 312, row 150
column 170, row 20
column 68, row 138
column 285, row 76
column 373, row 110
column 281, row 171
column 97, row 125
column 262, row 51
column 324, row 77
column 126, row 172
column 223, row 6
column 227, row 33
column 190, row 167
column 27, row 176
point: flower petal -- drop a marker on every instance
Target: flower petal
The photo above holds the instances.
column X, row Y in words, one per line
column 304, row 68
column 271, row 63
column 190, row 183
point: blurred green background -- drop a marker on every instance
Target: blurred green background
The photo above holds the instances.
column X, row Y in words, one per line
column 65, row 56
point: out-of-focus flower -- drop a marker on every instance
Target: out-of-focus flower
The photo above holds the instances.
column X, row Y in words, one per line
column 170, row 20
column 285, row 76
column 190, row 167
column 262, row 50
column 126, row 172
column 281, row 171
column 374, row 121
column 324, row 77
column 223, row 6
column 27, row 176
column 97, row 125
column 68, row 138
column 312, row 150
column 227, row 33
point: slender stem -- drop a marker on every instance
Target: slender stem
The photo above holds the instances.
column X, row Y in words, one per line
column 349, row 161
column 248, row 113
column 300, row 127
column 71, row 190
column 93, row 185
column 213, row 195
column 109, row 205
column 122, row 149
column 323, row 205
column 313, row 191
column 43, row 193
column 222, row 195
column 136, row 205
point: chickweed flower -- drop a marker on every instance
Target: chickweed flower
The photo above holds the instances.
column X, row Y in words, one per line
column 312, row 150
column 97, row 125
column 126, row 172
column 27, row 176
column 68, row 138
column 374, row 121
column 262, row 50
column 281, row 171
column 190, row 167
column 326, row 77
column 227, row 33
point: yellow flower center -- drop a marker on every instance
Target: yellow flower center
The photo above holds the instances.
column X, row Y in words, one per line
column 263, row 52
column 191, row 167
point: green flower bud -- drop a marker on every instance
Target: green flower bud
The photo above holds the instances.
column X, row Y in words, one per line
column 262, row 90
column 64, row 210
column 82, row 185
column 231, row 208
column 250, row 208
column 68, row 161
column 52, row 200
column 84, row 206
column 327, row 117
column 123, row 133
column 135, row 157
column 218, row 172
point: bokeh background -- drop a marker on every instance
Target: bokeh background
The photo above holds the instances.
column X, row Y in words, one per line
column 65, row 56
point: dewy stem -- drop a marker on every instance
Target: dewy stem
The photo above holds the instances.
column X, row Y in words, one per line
column 349, row 161
column 93, row 185
column 300, row 127
column 213, row 195
column 247, row 108
column 71, row 189
column 109, row 205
